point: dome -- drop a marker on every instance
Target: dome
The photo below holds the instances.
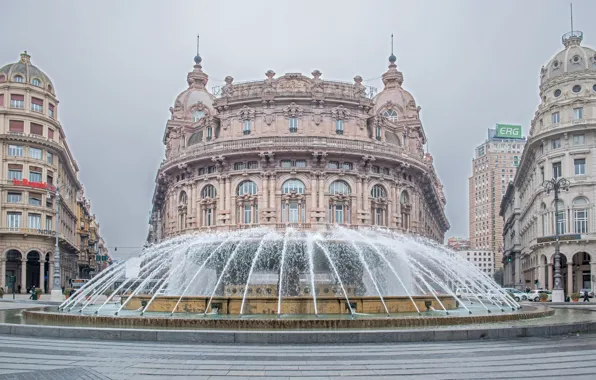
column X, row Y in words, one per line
column 574, row 58
column 30, row 74
column 394, row 96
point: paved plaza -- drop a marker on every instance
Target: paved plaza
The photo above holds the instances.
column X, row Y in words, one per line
column 530, row 358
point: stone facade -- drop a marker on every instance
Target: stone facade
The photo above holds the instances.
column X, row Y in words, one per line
column 298, row 151
column 562, row 143
column 35, row 158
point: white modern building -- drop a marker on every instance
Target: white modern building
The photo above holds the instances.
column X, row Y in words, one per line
column 561, row 143
column 483, row 260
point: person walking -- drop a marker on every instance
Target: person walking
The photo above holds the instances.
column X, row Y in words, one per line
column 586, row 296
column 1, row 292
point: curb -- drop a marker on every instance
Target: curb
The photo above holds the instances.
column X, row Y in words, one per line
column 295, row 337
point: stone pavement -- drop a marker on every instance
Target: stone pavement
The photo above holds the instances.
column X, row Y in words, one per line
column 569, row 357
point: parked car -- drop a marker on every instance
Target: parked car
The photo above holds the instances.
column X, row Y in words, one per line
column 583, row 291
column 534, row 295
column 518, row 295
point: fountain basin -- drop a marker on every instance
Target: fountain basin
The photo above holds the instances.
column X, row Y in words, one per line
column 289, row 305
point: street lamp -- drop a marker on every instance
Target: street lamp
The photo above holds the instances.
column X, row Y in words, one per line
column 557, row 185
column 56, row 294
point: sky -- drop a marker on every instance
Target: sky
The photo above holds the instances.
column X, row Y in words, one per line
column 117, row 67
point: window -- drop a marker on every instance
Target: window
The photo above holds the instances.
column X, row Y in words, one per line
column 36, row 105
column 13, row 219
column 19, row 79
column 378, row 191
column 14, row 198
column 202, row 171
column 542, row 173
column 580, row 215
column 36, row 82
column 561, row 220
column 49, row 202
column 557, row 169
column 290, row 212
column 211, row 169
column 378, row 132
column 557, row 93
column 197, row 115
column 50, row 158
column 50, row 133
column 376, row 169
column 49, row 223
column 293, row 185
column 34, row 199
column 50, row 178
column 555, row 117
column 577, row 88
column 246, row 215
column 15, row 150
column 35, row 153
column 390, row 115
column 339, row 127
column 580, row 166
column 209, row 192
column 578, row 113
column 239, row 166
column 247, row 187
column 36, row 129
column 404, row 201
column 286, row 163
column 333, row 165
column 16, row 126
column 515, row 161
column 210, row 133
column 556, row 143
column 386, row 171
column 293, row 125
column 51, row 110
column 579, row 140
column 347, row 166
column 253, row 165
column 34, row 221
column 34, row 176
column 209, row 217
column 339, row 187
column 17, row 101
column 246, row 127
column 15, row 174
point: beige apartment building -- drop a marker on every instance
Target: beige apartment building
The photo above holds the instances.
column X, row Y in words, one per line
column 493, row 167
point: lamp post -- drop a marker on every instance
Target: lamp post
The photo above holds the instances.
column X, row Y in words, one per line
column 56, row 294
column 556, row 185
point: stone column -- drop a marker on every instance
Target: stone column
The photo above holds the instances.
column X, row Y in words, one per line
column 541, row 282
column 517, row 275
column 228, row 195
column 322, row 204
column 569, row 278
column 272, row 189
column 593, row 271
column 23, row 281
column 50, row 278
column 359, row 205
column 550, row 276
column 41, row 268
column 313, row 192
column 391, row 206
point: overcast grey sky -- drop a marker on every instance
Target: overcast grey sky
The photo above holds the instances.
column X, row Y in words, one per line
column 118, row 66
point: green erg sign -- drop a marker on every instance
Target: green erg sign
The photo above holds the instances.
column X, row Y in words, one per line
column 506, row 131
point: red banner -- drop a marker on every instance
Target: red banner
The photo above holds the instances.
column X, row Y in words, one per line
column 34, row 185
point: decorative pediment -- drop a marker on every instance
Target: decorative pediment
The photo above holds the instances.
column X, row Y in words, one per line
column 340, row 113
column 293, row 83
column 246, row 113
column 293, row 110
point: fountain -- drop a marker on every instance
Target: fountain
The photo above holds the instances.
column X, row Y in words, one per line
column 264, row 274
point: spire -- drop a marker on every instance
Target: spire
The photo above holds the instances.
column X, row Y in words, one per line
column 197, row 78
column 573, row 37
column 392, row 77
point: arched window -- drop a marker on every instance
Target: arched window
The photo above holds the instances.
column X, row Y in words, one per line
column 195, row 138
column 404, row 200
column 293, row 185
column 339, row 187
column 36, row 82
column 379, row 205
column 208, row 192
column 390, row 115
column 544, row 219
column 580, row 215
column 378, row 191
column 197, row 115
column 561, row 222
column 247, row 211
column 208, row 203
column 19, row 79
column 183, row 198
column 247, row 188
column 339, row 203
column 293, row 205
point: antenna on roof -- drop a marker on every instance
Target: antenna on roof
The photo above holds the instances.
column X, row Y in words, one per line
column 199, row 36
column 571, row 6
column 391, row 43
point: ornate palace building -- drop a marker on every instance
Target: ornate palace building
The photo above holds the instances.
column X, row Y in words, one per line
column 296, row 150
column 562, row 143
column 35, row 159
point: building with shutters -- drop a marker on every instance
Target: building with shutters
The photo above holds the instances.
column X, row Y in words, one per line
column 296, row 150
column 35, row 159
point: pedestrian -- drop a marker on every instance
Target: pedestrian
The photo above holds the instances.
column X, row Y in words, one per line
column 1, row 292
column 586, row 296
column 19, row 288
